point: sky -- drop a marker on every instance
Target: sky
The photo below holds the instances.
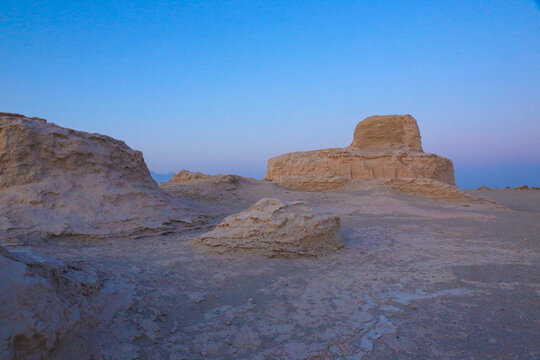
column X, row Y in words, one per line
column 221, row 86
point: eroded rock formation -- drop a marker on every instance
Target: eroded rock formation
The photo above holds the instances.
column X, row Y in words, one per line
column 41, row 301
column 185, row 176
column 275, row 228
column 387, row 133
column 384, row 147
column 58, row 181
column 199, row 186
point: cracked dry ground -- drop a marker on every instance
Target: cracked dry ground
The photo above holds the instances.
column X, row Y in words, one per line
column 416, row 279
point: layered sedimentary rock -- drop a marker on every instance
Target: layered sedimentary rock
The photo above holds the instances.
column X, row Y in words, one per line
column 358, row 164
column 387, row 133
column 41, row 301
column 384, row 147
column 275, row 228
column 58, row 181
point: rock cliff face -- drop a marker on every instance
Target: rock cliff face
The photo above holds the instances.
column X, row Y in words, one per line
column 58, row 181
column 384, row 147
column 357, row 164
column 274, row 228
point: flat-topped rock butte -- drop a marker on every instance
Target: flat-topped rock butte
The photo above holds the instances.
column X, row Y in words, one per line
column 383, row 148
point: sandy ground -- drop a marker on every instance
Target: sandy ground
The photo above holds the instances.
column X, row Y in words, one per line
column 417, row 279
column 521, row 200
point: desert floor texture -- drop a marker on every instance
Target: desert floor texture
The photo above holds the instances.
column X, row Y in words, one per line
column 417, row 278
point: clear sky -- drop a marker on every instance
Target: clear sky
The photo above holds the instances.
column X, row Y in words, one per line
column 221, row 86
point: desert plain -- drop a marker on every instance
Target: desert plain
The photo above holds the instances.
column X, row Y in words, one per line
column 365, row 252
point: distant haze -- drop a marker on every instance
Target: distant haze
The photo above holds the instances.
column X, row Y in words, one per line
column 220, row 87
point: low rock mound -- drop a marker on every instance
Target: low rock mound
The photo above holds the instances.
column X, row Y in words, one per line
column 188, row 177
column 184, row 176
column 58, row 181
column 384, row 148
column 199, row 186
column 275, row 228
column 41, row 301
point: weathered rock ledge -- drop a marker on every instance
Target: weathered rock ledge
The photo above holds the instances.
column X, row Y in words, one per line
column 359, row 164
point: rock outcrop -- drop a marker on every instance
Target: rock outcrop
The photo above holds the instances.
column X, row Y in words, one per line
column 58, row 181
column 275, row 228
column 358, row 164
column 41, row 301
column 199, row 186
column 316, row 182
column 384, row 148
column 185, row 176
column 387, row 133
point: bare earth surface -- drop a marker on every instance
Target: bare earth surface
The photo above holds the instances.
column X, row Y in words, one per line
column 416, row 278
column 522, row 200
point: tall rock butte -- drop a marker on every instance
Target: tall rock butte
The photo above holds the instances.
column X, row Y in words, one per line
column 385, row 148
column 57, row 181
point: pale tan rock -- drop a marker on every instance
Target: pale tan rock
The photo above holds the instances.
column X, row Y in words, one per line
column 41, row 301
column 357, row 164
column 387, row 133
column 314, row 182
column 56, row 181
column 428, row 188
column 184, row 176
column 384, row 148
column 205, row 187
column 275, row 228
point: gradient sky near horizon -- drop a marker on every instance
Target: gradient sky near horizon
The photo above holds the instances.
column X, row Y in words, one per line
column 221, row 86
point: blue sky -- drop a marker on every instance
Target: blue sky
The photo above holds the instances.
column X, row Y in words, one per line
column 221, row 86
